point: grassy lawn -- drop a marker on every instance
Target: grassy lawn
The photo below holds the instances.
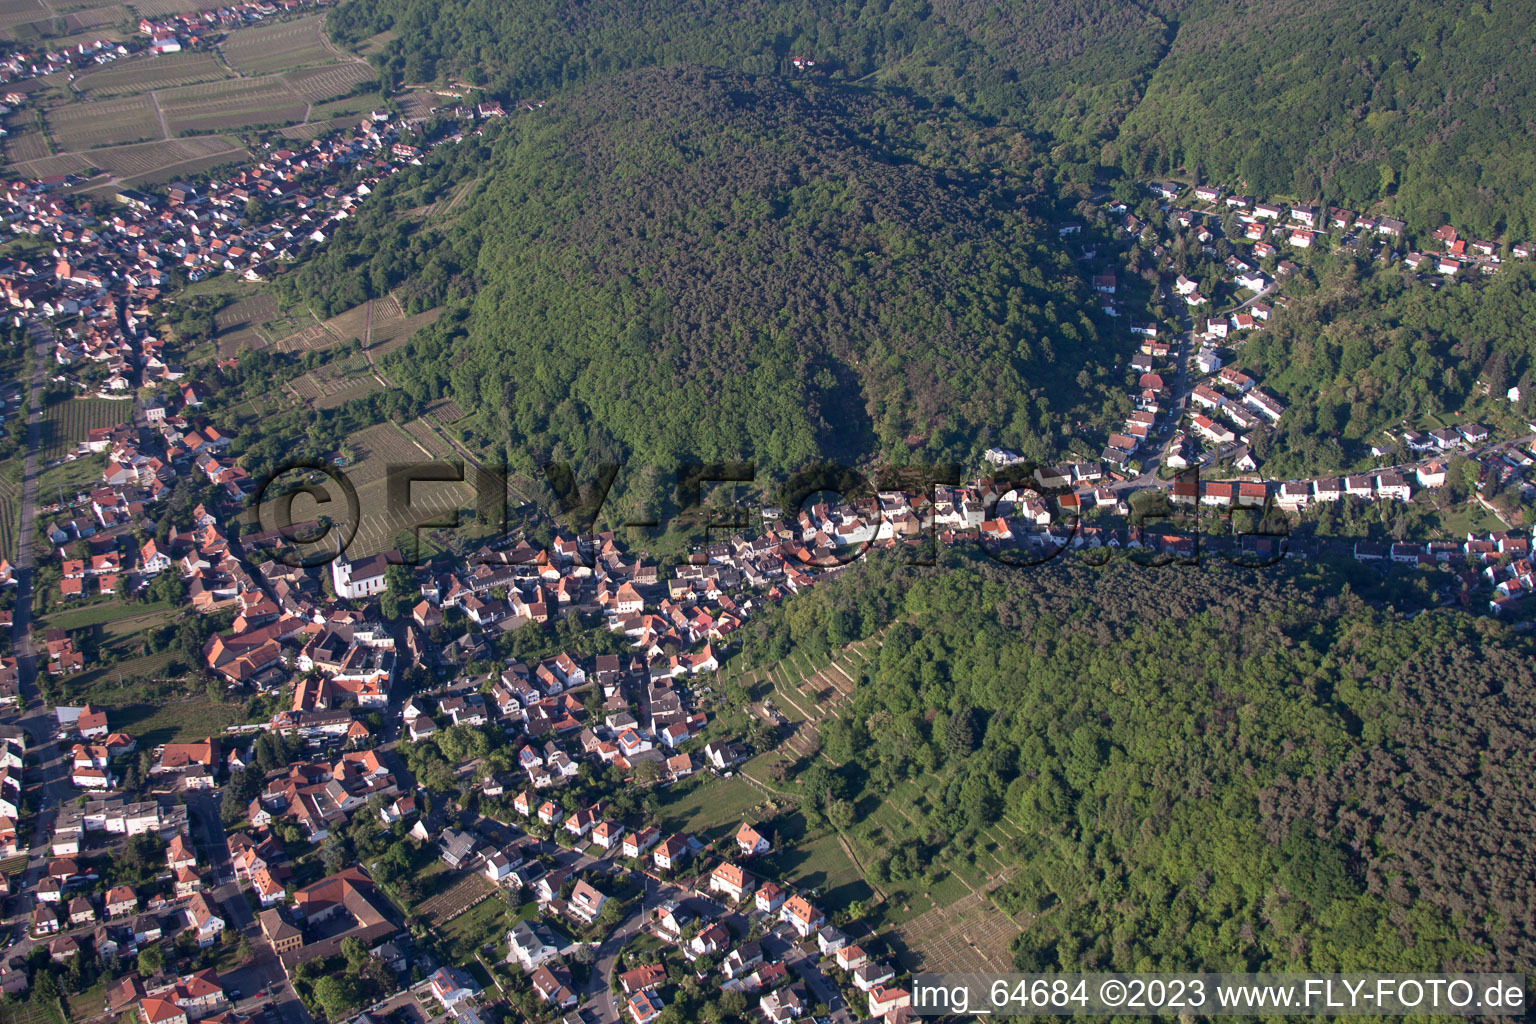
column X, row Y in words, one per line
column 90, row 1003
column 63, row 482
column 485, row 923
column 708, row 807
column 814, row 861
column 178, row 721
column 1468, row 517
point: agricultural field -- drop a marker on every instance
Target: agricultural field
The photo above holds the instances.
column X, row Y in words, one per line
column 229, row 104
column 24, row 144
column 64, row 163
column 380, row 324
column 140, row 74
column 447, row 904
column 347, row 112
column 446, row 410
column 312, row 129
column 327, row 82
column 96, row 18
column 16, row 12
column 344, row 378
column 970, row 934
column 428, row 439
column 66, row 423
column 367, row 457
column 87, row 125
column 30, row 1013
column 143, row 161
column 10, row 507
column 282, row 46
column 161, row 8
column 310, row 337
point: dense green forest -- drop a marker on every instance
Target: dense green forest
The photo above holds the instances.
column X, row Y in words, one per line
column 1350, row 101
column 1211, row 768
column 1427, row 105
column 685, row 264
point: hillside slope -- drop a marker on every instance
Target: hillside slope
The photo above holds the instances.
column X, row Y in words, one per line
column 1428, row 106
column 688, row 264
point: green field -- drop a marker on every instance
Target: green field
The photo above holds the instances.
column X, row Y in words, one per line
column 485, row 923
column 709, row 807
column 176, row 722
column 814, row 861
column 118, row 617
column 64, row 481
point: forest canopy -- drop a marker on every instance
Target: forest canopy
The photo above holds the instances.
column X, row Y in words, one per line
column 688, row 264
column 1428, row 107
column 1204, row 769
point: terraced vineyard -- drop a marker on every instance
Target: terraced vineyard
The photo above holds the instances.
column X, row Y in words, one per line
column 67, row 423
column 231, row 103
column 323, row 83
column 146, row 159
column 140, row 74
column 77, row 126
column 434, row 447
column 16, row 12
column 281, row 46
column 10, row 508
column 23, row 145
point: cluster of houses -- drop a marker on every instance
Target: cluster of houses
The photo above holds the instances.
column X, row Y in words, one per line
column 1501, row 559
column 1240, row 403
column 23, row 62
column 111, row 262
column 696, row 929
column 173, row 32
column 69, row 914
column 140, row 471
column 199, row 996
column 1267, row 224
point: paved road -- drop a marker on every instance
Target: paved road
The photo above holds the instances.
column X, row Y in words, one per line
column 261, row 979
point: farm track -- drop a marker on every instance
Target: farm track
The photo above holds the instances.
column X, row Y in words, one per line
column 165, row 132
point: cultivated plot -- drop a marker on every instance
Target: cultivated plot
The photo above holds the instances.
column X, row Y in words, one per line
column 230, row 104
column 143, row 159
column 87, row 125
column 161, row 8
column 97, row 17
column 139, row 74
column 327, row 82
column 24, row 144
column 16, row 12
column 281, row 46
column 968, row 935
column 67, row 423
